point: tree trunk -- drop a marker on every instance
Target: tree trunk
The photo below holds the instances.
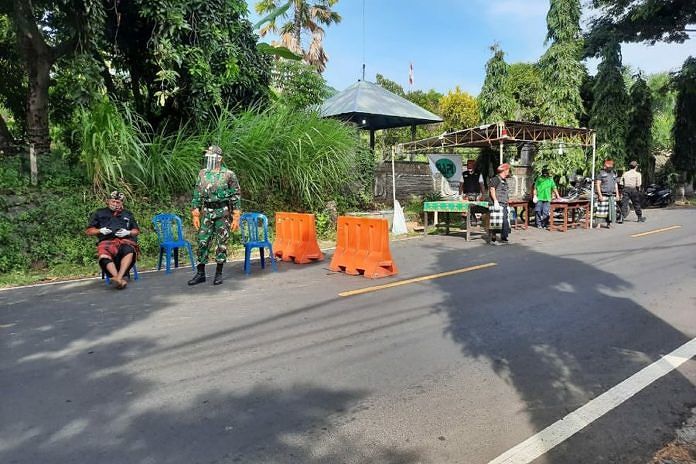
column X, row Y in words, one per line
column 297, row 32
column 37, row 102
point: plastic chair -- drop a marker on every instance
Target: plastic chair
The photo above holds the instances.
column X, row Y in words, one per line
column 134, row 268
column 254, row 230
column 171, row 240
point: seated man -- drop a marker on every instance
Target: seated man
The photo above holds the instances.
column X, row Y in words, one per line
column 116, row 231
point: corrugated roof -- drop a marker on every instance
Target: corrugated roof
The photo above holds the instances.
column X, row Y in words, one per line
column 373, row 107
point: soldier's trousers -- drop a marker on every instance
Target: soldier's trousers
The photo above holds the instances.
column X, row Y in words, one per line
column 213, row 228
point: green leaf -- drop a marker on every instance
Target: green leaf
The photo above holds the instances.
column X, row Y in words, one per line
column 282, row 52
column 273, row 14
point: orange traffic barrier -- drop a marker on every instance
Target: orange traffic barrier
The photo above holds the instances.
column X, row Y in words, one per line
column 362, row 247
column 296, row 238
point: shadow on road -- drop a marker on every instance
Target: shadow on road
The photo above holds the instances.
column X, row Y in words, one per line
column 561, row 332
column 70, row 393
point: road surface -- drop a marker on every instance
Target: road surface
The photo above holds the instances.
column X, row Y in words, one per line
column 278, row 368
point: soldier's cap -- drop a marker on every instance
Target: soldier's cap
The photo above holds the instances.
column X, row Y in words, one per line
column 470, row 164
column 214, row 150
column 633, row 164
column 116, row 195
column 503, row 167
column 545, row 171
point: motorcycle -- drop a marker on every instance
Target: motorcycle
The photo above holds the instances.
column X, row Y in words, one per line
column 657, row 196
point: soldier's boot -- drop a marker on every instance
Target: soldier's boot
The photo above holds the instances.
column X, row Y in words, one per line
column 200, row 275
column 218, row 274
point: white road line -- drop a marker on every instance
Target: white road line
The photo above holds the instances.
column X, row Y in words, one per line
column 558, row 432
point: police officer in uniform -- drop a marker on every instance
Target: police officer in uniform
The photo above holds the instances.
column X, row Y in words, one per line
column 216, row 199
column 632, row 182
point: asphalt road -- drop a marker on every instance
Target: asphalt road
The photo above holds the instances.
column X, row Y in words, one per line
column 277, row 368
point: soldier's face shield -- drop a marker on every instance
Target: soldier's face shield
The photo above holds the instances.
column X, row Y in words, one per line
column 213, row 161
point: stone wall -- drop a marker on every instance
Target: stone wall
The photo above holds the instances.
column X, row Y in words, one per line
column 413, row 178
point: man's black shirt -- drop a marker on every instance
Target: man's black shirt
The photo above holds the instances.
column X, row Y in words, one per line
column 104, row 217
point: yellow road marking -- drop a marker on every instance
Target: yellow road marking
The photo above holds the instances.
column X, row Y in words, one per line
column 416, row 279
column 656, row 231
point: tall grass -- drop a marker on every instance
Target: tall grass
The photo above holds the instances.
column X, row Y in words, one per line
column 283, row 158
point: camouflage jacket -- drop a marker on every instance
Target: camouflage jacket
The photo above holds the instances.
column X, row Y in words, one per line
column 217, row 191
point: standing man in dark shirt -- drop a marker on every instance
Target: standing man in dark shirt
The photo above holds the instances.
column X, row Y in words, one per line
column 498, row 191
column 607, row 189
column 116, row 231
column 471, row 187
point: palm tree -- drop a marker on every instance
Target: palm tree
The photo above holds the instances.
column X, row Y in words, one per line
column 307, row 16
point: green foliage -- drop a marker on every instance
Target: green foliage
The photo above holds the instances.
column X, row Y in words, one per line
column 524, row 84
column 610, row 107
column 684, row 156
column 390, row 85
column 111, row 144
column 561, row 164
column 561, row 70
column 187, row 59
column 307, row 17
column 640, row 123
column 647, row 20
column 13, row 82
column 664, row 98
column 495, row 103
column 299, row 85
column 459, row 110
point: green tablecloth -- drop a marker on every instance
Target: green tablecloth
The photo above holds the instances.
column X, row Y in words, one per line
column 452, row 206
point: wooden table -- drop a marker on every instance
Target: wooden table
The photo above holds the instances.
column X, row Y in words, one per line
column 450, row 207
column 573, row 207
column 524, row 207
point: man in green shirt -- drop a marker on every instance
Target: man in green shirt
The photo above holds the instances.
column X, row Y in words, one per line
column 544, row 190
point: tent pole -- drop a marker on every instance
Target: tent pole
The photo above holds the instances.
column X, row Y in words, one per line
column 372, row 141
column 393, row 177
column 501, row 153
column 592, row 175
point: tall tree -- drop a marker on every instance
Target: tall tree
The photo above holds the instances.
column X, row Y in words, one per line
column 495, row 102
column 684, row 155
column 640, row 120
column 307, row 17
column 525, row 86
column 561, row 70
column 610, row 106
column 185, row 59
column 645, row 21
column 46, row 31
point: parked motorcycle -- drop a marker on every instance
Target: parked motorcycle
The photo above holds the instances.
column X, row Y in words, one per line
column 657, row 196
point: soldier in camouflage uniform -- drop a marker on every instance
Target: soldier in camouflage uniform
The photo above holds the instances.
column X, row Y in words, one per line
column 216, row 198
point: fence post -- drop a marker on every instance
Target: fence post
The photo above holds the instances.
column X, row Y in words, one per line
column 33, row 166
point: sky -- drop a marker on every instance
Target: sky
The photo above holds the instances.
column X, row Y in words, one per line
column 448, row 41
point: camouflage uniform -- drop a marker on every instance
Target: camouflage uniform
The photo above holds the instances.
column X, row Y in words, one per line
column 216, row 194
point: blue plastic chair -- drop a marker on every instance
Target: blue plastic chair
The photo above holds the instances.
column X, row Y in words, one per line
column 170, row 233
column 254, row 230
column 134, row 268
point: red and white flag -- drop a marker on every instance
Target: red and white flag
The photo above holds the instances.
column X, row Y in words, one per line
column 410, row 74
